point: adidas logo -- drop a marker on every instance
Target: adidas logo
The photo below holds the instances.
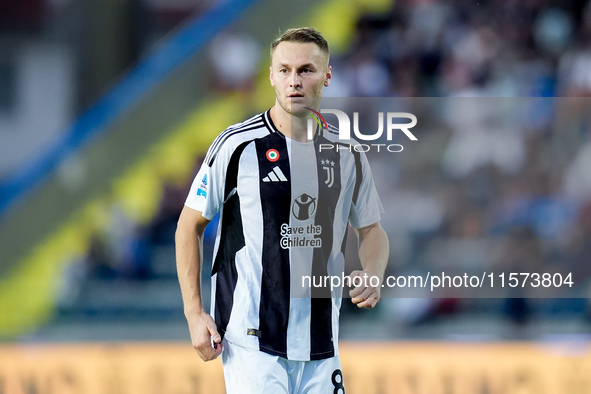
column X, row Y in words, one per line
column 275, row 176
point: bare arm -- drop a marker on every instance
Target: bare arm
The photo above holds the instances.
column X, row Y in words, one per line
column 374, row 249
column 189, row 260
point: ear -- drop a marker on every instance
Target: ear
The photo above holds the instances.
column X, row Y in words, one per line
column 271, row 76
column 328, row 76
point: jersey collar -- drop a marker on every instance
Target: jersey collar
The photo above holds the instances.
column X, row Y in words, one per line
column 273, row 129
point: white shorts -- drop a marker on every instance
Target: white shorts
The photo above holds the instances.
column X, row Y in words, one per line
column 248, row 371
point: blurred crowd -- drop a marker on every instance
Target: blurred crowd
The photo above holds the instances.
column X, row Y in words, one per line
column 479, row 190
column 493, row 48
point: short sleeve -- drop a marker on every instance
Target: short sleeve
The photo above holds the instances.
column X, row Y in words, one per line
column 207, row 190
column 366, row 208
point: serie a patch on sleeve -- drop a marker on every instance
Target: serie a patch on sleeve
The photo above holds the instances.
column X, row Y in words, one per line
column 202, row 191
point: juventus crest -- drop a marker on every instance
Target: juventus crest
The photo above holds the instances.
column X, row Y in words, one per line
column 328, row 167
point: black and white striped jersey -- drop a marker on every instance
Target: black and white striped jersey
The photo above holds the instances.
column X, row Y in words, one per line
column 284, row 209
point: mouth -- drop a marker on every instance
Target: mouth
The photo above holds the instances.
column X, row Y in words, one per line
column 295, row 95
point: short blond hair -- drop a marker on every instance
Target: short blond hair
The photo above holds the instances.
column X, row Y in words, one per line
column 302, row 35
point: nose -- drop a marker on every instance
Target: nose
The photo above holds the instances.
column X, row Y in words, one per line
column 295, row 79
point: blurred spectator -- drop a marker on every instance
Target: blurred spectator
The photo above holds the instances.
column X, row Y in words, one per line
column 234, row 60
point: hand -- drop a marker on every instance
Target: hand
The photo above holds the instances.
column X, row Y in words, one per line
column 365, row 295
column 203, row 330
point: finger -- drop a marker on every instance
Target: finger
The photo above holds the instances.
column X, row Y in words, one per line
column 361, row 292
column 357, row 291
column 368, row 293
column 218, row 347
column 362, row 302
column 352, row 276
column 207, row 353
column 358, row 300
column 368, row 303
column 207, row 348
column 213, row 331
column 203, row 353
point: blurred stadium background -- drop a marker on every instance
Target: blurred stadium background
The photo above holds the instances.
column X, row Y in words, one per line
column 107, row 107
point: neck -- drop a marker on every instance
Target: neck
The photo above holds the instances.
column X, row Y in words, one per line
column 292, row 127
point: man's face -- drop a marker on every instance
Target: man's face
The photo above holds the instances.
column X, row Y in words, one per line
column 299, row 71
